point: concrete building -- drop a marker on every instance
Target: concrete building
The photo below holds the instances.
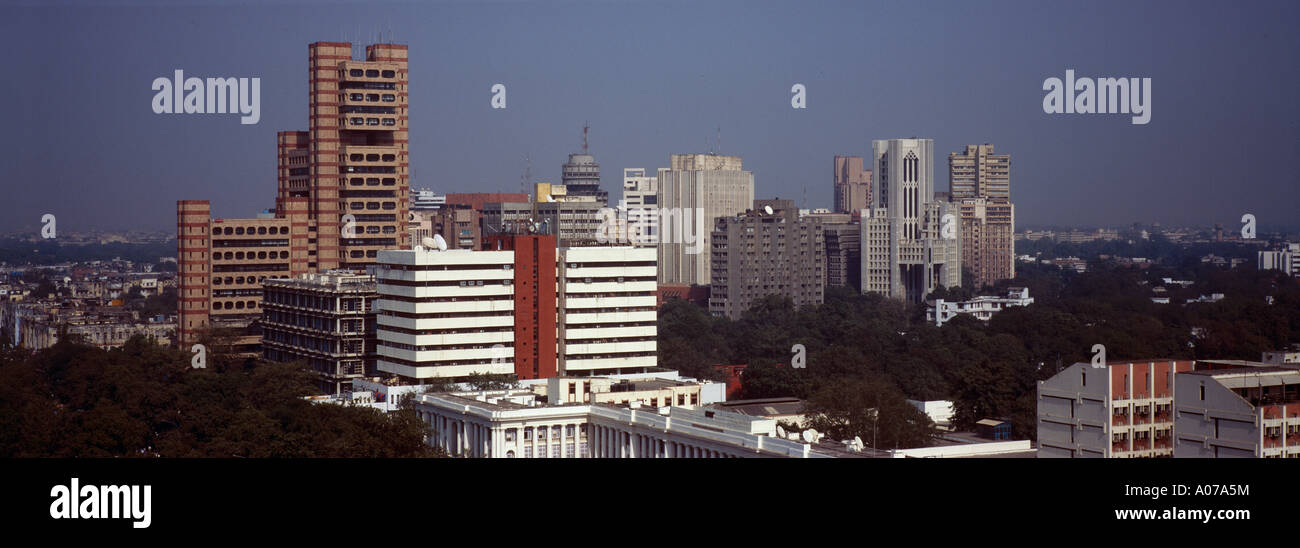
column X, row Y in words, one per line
column 573, row 223
column 342, row 195
column 757, row 254
column 641, row 201
column 1122, row 410
column 1245, row 411
column 516, row 424
column 581, row 175
column 852, row 185
column 979, row 173
column 1286, row 259
column 223, row 262
column 427, row 200
column 698, row 186
column 905, row 252
column 981, row 308
column 529, row 309
column 325, row 320
column 40, row 325
column 980, row 184
column 843, row 255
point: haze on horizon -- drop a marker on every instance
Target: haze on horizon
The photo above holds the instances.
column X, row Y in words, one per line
column 654, row 78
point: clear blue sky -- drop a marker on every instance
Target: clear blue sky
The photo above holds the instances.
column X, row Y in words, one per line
column 654, row 78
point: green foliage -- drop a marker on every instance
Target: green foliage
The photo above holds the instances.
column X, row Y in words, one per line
column 988, row 369
column 73, row 400
column 847, row 408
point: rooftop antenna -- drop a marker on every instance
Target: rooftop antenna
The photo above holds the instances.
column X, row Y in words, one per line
column 585, row 127
column 718, row 142
column 527, row 176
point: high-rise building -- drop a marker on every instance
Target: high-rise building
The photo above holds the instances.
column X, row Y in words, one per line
column 979, row 173
column 988, row 239
column 641, row 202
column 326, row 320
column 354, row 158
column 757, row 254
column 1122, row 410
column 342, row 195
column 852, row 185
column 906, row 251
column 981, row 186
column 581, row 174
column 697, row 189
column 526, row 308
column 843, row 235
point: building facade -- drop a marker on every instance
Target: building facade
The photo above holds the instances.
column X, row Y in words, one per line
column 757, row 254
column 906, row 251
column 513, row 424
column 326, row 320
column 1238, row 412
column 1122, row 410
column 981, row 308
column 529, row 309
column 980, row 184
column 852, row 185
column 697, row 186
column 641, row 201
column 342, row 195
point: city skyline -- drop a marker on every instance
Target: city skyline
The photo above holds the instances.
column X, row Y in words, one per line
column 124, row 166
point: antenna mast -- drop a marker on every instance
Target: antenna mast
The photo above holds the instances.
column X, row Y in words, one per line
column 585, row 127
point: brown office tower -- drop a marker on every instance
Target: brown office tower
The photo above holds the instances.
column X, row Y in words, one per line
column 342, row 195
column 756, row 254
column 981, row 186
column 852, row 185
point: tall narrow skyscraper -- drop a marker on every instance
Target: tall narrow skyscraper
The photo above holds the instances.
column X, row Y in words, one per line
column 852, row 185
column 981, row 189
column 906, row 251
column 696, row 190
column 353, row 160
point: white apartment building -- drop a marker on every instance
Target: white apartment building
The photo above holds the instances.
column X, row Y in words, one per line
column 640, row 199
column 530, row 310
column 514, row 424
column 982, row 307
column 1122, row 410
column 1286, row 259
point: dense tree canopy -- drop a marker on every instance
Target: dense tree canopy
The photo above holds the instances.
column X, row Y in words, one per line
column 988, row 369
column 74, row 400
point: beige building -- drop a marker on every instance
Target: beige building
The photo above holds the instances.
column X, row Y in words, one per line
column 342, row 195
column 697, row 188
column 852, row 185
column 981, row 186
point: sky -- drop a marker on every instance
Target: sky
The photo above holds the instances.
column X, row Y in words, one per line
column 653, row 78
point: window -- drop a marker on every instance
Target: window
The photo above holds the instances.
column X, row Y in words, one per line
column 528, row 434
column 1203, row 398
column 510, row 434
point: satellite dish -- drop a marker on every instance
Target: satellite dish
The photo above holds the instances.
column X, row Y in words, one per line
column 809, row 436
column 780, row 431
column 441, row 243
column 768, row 209
column 549, row 198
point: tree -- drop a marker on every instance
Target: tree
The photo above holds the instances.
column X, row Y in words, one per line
column 848, row 408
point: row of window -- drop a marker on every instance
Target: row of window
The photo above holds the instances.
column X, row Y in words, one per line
column 371, row 73
column 358, row 157
column 240, row 231
column 372, row 205
column 372, row 97
column 371, row 121
column 240, row 255
column 237, row 280
column 372, row 181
